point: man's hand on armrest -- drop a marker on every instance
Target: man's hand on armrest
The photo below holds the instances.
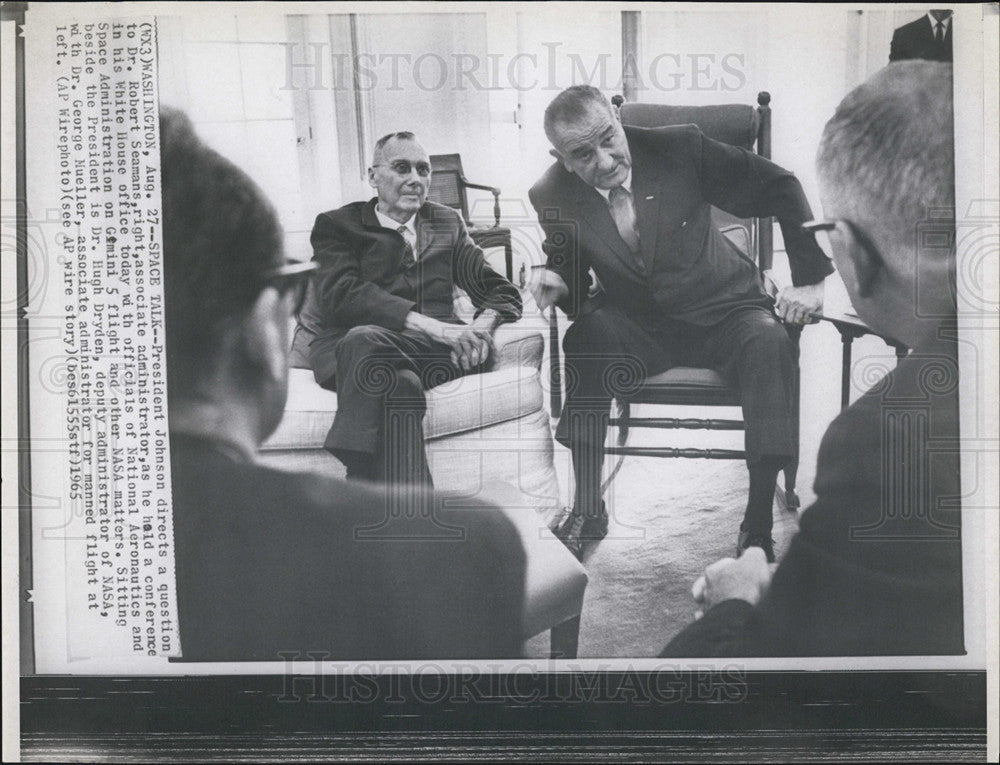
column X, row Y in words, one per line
column 547, row 287
column 470, row 346
column 746, row 578
column 799, row 305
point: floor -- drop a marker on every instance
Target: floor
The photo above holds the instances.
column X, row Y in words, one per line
column 669, row 519
column 673, row 517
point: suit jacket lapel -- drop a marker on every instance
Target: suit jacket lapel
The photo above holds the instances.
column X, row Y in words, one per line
column 429, row 230
column 425, row 233
column 594, row 212
column 660, row 200
column 648, row 198
column 650, row 193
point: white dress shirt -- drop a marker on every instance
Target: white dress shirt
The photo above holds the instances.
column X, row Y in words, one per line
column 944, row 22
column 410, row 232
column 627, row 185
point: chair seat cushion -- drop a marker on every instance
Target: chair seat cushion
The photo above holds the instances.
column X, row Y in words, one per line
column 682, row 385
column 467, row 403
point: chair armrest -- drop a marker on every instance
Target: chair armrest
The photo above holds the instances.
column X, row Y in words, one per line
column 518, row 344
column 492, row 189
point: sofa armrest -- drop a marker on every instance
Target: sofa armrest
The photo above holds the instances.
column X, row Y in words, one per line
column 517, row 345
column 555, row 581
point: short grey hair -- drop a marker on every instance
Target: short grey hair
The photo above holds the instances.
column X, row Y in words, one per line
column 571, row 105
column 401, row 135
column 887, row 156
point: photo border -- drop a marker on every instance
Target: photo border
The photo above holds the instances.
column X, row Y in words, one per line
column 853, row 714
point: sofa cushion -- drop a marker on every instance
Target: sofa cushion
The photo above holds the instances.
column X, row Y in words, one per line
column 517, row 452
column 477, row 401
column 464, row 404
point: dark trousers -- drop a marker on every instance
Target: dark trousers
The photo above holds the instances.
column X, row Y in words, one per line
column 380, row 382
column 608, row 354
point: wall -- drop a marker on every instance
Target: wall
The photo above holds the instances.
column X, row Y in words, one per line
column 226, row 71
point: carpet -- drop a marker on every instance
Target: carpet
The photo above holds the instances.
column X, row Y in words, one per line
column 669, row 519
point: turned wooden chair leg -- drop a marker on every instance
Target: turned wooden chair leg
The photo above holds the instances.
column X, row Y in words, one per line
column 565, row 638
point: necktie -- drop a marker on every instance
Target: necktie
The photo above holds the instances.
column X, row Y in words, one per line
column 939, row 32
column 623, row 213
column 408, row 258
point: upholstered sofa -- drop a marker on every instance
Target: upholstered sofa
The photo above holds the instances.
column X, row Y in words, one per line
column 486, row 435
column 479, row 429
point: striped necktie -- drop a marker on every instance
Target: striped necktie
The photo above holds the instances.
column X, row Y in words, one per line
column 408, row 258
column 623, row 213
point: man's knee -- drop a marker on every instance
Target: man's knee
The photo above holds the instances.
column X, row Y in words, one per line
column 366, row 350
column 407, row 387
column 364, row 337
column 766, row 349
column 769, row 336
column 594, row 332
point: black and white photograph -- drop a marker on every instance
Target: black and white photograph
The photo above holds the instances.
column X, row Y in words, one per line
column 500, row 380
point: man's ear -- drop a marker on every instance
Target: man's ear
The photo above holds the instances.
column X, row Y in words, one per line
column 265, row 338
column 865, row 263
column 371, row 178
column 559, row 158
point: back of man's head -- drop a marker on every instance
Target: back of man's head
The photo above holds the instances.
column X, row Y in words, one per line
column 886, row 158
column 220, row 234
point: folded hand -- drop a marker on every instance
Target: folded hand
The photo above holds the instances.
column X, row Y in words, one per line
column 746, row 578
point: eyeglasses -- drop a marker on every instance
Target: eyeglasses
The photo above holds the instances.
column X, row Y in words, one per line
column 293, row 276
column 824, row 227
column 819, row 225
column 403, row 167
column 821, row 230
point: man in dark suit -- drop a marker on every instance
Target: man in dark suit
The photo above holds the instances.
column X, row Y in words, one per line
column 876, row 567
column 269, row 563
column 634, row 205
column 380, row 321
column 929, row 37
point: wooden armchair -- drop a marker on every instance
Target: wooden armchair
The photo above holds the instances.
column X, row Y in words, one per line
column 448, row 187
column 750, row 128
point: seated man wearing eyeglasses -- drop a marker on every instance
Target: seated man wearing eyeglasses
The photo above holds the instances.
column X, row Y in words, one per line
column 379, row 317
column 876, row 567
column 270, row 564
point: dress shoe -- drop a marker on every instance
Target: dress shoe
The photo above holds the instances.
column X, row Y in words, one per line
column 577, row 530
column 748, row 539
